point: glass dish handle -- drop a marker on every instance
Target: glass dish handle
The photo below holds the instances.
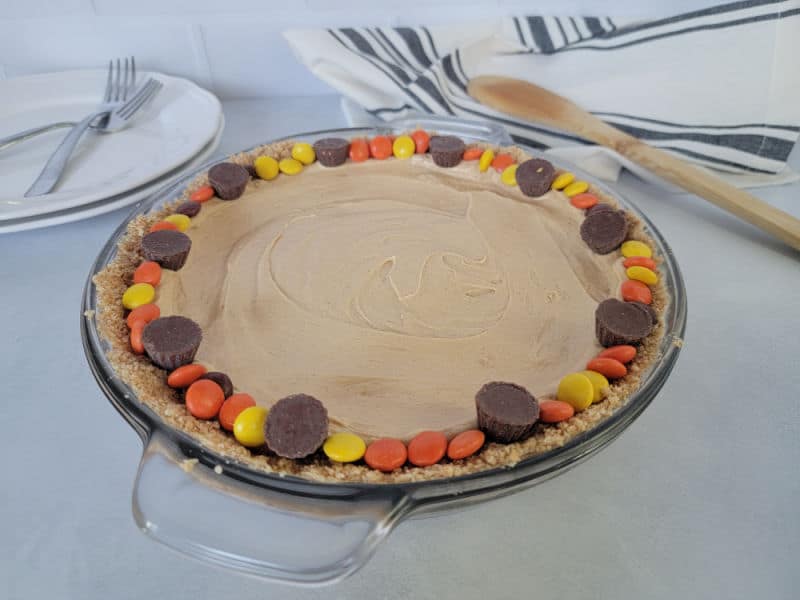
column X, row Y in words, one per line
column 267, row 533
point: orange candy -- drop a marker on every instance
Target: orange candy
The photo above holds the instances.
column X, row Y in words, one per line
column 501, row 161
column 465, row 444
column 421, row 140
column 427, row 448
column 380, row 147
column 231, row 408
column 611, row 368
column 386, row 454
column 163, row 225
column 636, row 291
column 583, row 201
column 148, row 272
column 204, row 398
column 202, row 194
column 136, row 337
column 640, row 261
column 623, row 354
column 144, row 313
column 555, row 411
column 359, row 150
column 186, row 375
column 472, row 154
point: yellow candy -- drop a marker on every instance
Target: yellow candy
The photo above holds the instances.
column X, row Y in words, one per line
column 266, row 167
column 137, row 295
column 642, row 274
column 179, row 220
column 634, row 248
column 304, row 153
column 404, row 147
column 575, row 188
column 290, row 166
column 509, row 175
column 485, row 161
column 563, row 180
column 576, row 389
column 599, row 384
column 248, row 428
column 344, row 447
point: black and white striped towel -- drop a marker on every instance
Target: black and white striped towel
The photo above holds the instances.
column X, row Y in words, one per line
column 719, row 87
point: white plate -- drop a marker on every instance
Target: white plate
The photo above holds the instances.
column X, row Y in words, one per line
column 105, row 205
column 180, row 122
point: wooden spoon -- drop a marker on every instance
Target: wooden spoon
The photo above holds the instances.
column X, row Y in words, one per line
column 531, row 102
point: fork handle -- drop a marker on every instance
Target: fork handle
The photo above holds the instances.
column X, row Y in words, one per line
column 11, row 140
column 57, row 162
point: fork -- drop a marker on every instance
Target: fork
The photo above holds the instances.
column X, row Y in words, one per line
column 113, row 114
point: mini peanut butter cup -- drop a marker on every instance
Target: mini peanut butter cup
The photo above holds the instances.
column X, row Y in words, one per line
column 228, row 180
column 648, row 309
column 602, row 206
column 618, row 322
column 167, row 247
column 331, row 152
column 296, row 426
column 535, row 176
column 446, row 150
column 506, row 412
column 222, row 380
column 190, row 209
column 605, row 230
column 171, row 342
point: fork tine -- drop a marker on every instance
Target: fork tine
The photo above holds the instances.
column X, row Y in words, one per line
column 107, row 95
column 116, row 81
column 139, row 93
column 124, row 87
column 150, row 89
column 133, row 73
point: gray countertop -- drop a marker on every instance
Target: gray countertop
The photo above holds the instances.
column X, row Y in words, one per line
column 698, row 499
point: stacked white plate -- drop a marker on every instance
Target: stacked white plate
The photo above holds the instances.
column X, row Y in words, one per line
column 180, row 129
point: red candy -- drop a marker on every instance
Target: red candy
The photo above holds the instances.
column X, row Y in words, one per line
column 204, row 398
column 611, row 368
column 640, row 261
column 636, row 291
column 386, row 455
column 623, row 354
column 148, row 272
column 427, row 448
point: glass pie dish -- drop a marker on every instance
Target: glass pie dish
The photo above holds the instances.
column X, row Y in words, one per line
column 307, row 532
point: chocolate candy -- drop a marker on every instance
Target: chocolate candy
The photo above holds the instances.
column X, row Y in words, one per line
column 228, row 180
column 331, row 152
column 649, row 310
column 167, row 247
column 599, row 208
column 535, row 176
column 605, row 230
column 222, row 380
column 446, row 150
column 190, row 208
column 618, row 322
column 171, row 342
column 296, row 426
column 506, row 412
column 251, row 170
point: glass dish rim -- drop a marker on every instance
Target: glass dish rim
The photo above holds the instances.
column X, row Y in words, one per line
column 146, row 421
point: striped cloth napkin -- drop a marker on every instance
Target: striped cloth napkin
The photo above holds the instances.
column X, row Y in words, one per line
column 720, row 87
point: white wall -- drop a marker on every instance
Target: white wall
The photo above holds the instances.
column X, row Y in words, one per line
column 234, row 47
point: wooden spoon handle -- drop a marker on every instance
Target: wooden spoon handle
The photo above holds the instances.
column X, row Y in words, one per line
column 698, row 181
column 528, row 101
